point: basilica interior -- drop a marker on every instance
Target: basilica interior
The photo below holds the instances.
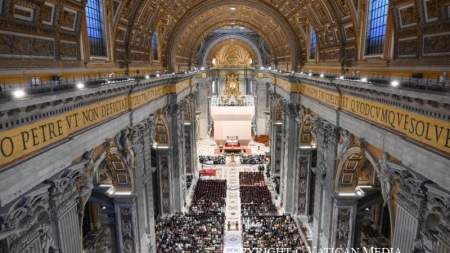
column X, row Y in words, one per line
column 153, row 126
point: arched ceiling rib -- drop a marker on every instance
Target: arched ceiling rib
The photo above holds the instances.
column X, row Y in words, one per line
column 335, row 22
column 255, row 12
column 215, row 41
column 217, row 46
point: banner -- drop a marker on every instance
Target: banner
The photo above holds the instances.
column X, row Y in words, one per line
column 427, row 130
column 24, row 140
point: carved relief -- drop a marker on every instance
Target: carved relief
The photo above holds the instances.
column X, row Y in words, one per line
column 302, row 188
column 27, row 222
column 407, row 47
column 407, row 15
column 12, row 45
column 436, row 44
column 69, row 50
column 126, row 218
column 343, row 228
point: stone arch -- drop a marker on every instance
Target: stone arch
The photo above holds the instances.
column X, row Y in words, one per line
column 114, row 171
column 355, row 169
column 228, row 37
column 191, row 14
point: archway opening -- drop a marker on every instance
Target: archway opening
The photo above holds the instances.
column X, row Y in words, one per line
column 112, row 178
column 359, row 178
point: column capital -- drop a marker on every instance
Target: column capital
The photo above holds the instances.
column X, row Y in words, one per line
column 412, row 192
column 326, row 132
column 436, row 220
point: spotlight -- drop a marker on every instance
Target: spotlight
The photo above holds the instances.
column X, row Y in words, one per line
column 202, row 68
column 341, row 77
column 19, row 93
column 395, row 83
column 364, row 79
column 310, row 74
column 232, row 8
column 80, row 85
column 158, row 75
column 322, row 75
column 261, row 68
column 147, row 77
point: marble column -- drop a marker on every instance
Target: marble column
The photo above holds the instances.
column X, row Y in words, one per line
column 65, row 206
column 435, row 230
column 165, row 178
column 203, row 109
column 327, row 141
column 126, row 224
column 142, row 143
column 343, row 223
column 289, row 161
column 174, row 114
column 303, row 183
column 410, row 204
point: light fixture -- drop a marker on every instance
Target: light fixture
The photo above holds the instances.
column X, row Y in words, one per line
column 261, row 68
column 80, row 85
column 123, row 193
column 310, row 74
column 232, row 8
column 202, row 68
column 147, row 77
column 395, row 83
column 322, row 75
column 347, row 194
column 19, row 93
column 341, row 77
column 364, row 79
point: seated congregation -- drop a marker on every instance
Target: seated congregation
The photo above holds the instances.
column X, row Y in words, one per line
column 262, row 226
column 202, row 229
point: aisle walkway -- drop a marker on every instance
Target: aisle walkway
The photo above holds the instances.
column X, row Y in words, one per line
column 233, row 227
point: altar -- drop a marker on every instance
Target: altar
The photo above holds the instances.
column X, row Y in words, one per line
column 232, row 114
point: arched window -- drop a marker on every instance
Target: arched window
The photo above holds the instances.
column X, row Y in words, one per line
column 155, row 46
column 376, row 26
column 95, row 28
column 313, row 45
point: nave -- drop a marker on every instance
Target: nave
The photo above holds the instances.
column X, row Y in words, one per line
column 230, row 210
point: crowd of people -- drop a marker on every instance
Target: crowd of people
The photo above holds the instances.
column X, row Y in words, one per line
column 251, row 178
column 272, row 232
column 256, row 201
column 212, row 160
column 202, row 229
column 253, row 159
column 182, row 233
column 209, row 197
column 262, row 227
